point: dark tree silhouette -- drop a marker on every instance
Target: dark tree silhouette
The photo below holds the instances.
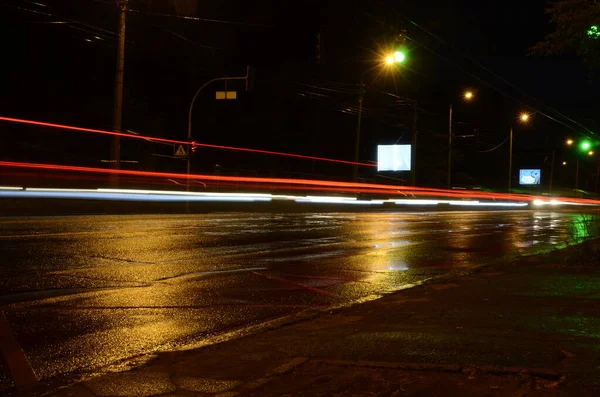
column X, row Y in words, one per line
column 577, row 31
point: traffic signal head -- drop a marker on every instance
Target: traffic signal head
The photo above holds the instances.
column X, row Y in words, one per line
column 585, row 145
column 399, row 56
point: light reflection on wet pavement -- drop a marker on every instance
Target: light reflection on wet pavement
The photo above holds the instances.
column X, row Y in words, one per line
column 83, row 292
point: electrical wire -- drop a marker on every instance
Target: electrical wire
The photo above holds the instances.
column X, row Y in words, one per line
column 493, row 73
column 329, row 89
column 495, row 148
column 482, row 80
column 190, row 18
column 178, row 142
column 66, row 21
column 538, row 111
column 188, row 40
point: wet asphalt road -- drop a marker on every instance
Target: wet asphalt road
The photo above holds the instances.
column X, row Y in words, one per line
column 83, row 292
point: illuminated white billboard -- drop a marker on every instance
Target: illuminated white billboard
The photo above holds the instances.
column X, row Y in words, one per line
column 393, row 158
column 530, row 177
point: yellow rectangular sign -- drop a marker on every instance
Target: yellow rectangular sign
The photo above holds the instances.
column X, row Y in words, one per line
column 226, row 94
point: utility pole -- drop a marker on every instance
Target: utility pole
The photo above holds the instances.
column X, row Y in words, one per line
column 510, row 161
column 576, row 177
column 357, row 139
column 552, row 170
column 115, row 148
column 413, row 155
column 450, row 148
column 597, row 176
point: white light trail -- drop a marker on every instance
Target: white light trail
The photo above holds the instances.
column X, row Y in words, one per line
column 478, row 204
column 338, row 200
column 97, row 195
column 184, row 196
column 554, row 202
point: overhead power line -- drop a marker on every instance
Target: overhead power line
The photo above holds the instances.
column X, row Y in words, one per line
column 479, row 64
column 480, row 79
column 494, row 148
column 494, row 73
column 190, row 18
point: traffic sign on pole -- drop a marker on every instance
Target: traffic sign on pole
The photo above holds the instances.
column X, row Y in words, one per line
column 181, row 152
column 226, row 94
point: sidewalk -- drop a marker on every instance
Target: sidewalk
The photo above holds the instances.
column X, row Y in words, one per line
column 530, row 328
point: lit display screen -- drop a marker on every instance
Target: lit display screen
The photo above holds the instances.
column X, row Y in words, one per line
column 393, row 158
column 530, row 177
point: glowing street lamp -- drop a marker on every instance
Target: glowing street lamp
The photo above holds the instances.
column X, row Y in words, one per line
column 389, row 60
column 591, row 153
column 467, row 95
column 569, row 142
column 564, row 163
column 524, row 118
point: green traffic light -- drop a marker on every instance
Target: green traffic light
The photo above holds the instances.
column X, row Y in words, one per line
column 593, row 32
column 585, row 145
column 399, row 56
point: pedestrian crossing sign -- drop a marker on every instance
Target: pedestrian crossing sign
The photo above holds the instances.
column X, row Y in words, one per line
column 180, row 152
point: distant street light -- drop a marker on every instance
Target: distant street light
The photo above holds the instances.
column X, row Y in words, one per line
column 591, row 153
column 468, row 95
column 569, row 142
column 564, row 163
column 389, row 60
column 524, row 118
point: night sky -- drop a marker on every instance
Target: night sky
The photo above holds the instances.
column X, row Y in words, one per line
column 59, row 65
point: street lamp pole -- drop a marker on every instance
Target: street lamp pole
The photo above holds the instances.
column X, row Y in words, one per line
column 576, row 177
column 552, row 170
column 414, row 133
column 397, row 57
column 510, row 150
column 597, row 176
column 115, row 146
column 357, row 138
column 189, row 135
column 450, row 148
column 468, row 96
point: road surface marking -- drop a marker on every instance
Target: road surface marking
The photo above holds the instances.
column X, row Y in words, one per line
column 200, row 274
column 283, row 280
column 19, row 367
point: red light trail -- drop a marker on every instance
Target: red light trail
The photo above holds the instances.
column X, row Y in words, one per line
column 81, row 129
column 300, row 156
column 282, row 182
column 243, row 179
column 193, row 144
